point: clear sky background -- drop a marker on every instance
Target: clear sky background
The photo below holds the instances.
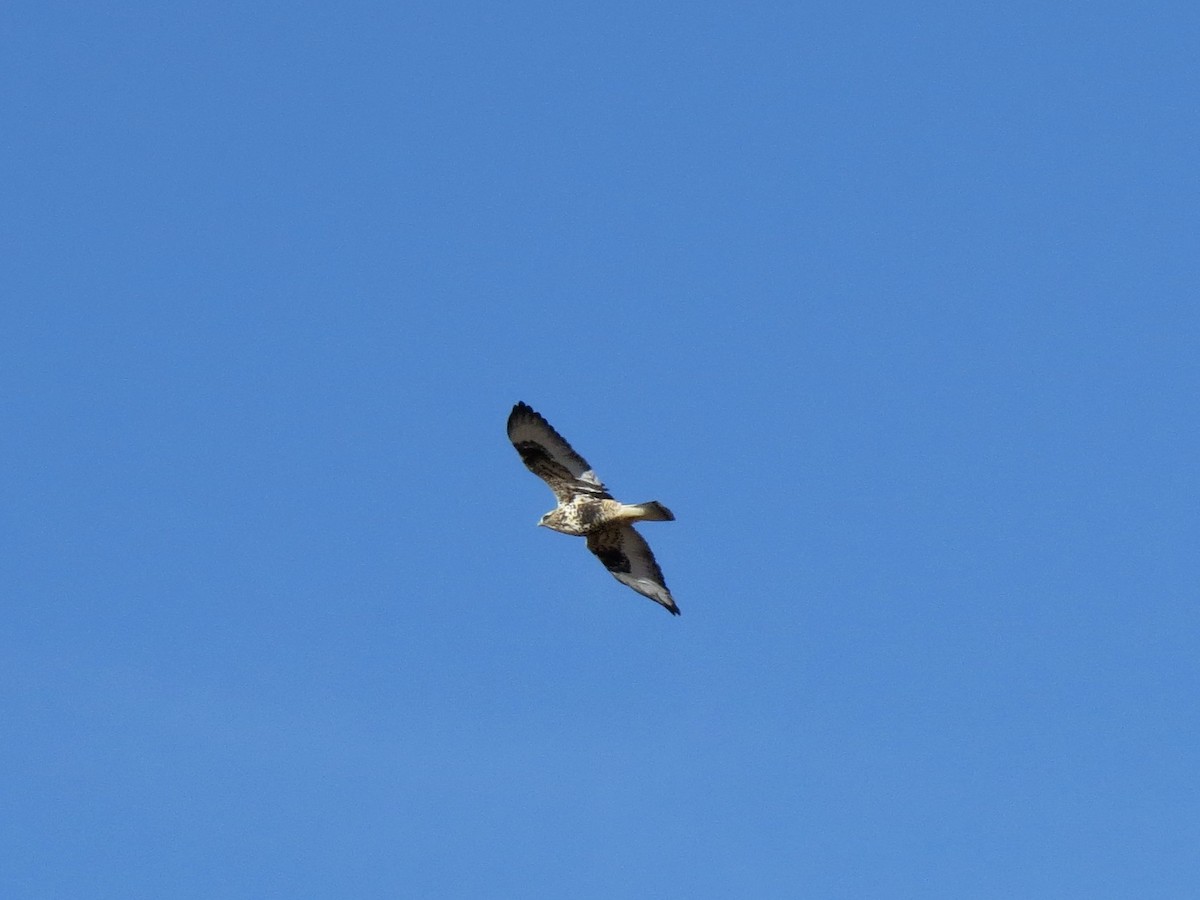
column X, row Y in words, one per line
column 895, row 305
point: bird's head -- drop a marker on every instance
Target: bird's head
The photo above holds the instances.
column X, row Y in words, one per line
column 544, row 521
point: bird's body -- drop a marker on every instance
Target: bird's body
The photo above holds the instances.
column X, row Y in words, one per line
column 584, row 515
column 586, row 509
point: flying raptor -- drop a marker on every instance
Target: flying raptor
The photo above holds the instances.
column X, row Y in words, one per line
column 586, row 509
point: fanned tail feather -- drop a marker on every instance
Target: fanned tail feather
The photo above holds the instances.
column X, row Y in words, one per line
column 653, row 511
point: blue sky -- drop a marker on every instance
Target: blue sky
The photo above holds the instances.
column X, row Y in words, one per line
column 893, row 304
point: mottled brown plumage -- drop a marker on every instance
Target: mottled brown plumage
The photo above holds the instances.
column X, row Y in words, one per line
column 585, row 508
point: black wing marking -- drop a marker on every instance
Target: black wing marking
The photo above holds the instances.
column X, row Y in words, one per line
column 627, row 556
column 548, row 456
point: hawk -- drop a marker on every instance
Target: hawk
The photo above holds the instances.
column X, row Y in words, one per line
column 586, row 509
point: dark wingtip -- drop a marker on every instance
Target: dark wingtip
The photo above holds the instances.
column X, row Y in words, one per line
column 520, row 411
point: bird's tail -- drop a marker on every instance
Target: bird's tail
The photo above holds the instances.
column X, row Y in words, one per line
column 652, row 511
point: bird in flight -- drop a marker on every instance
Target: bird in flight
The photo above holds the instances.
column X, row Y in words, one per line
column 586, row 509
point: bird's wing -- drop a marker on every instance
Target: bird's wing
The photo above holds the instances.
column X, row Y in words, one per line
column 627, row 556
column 548, row 456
